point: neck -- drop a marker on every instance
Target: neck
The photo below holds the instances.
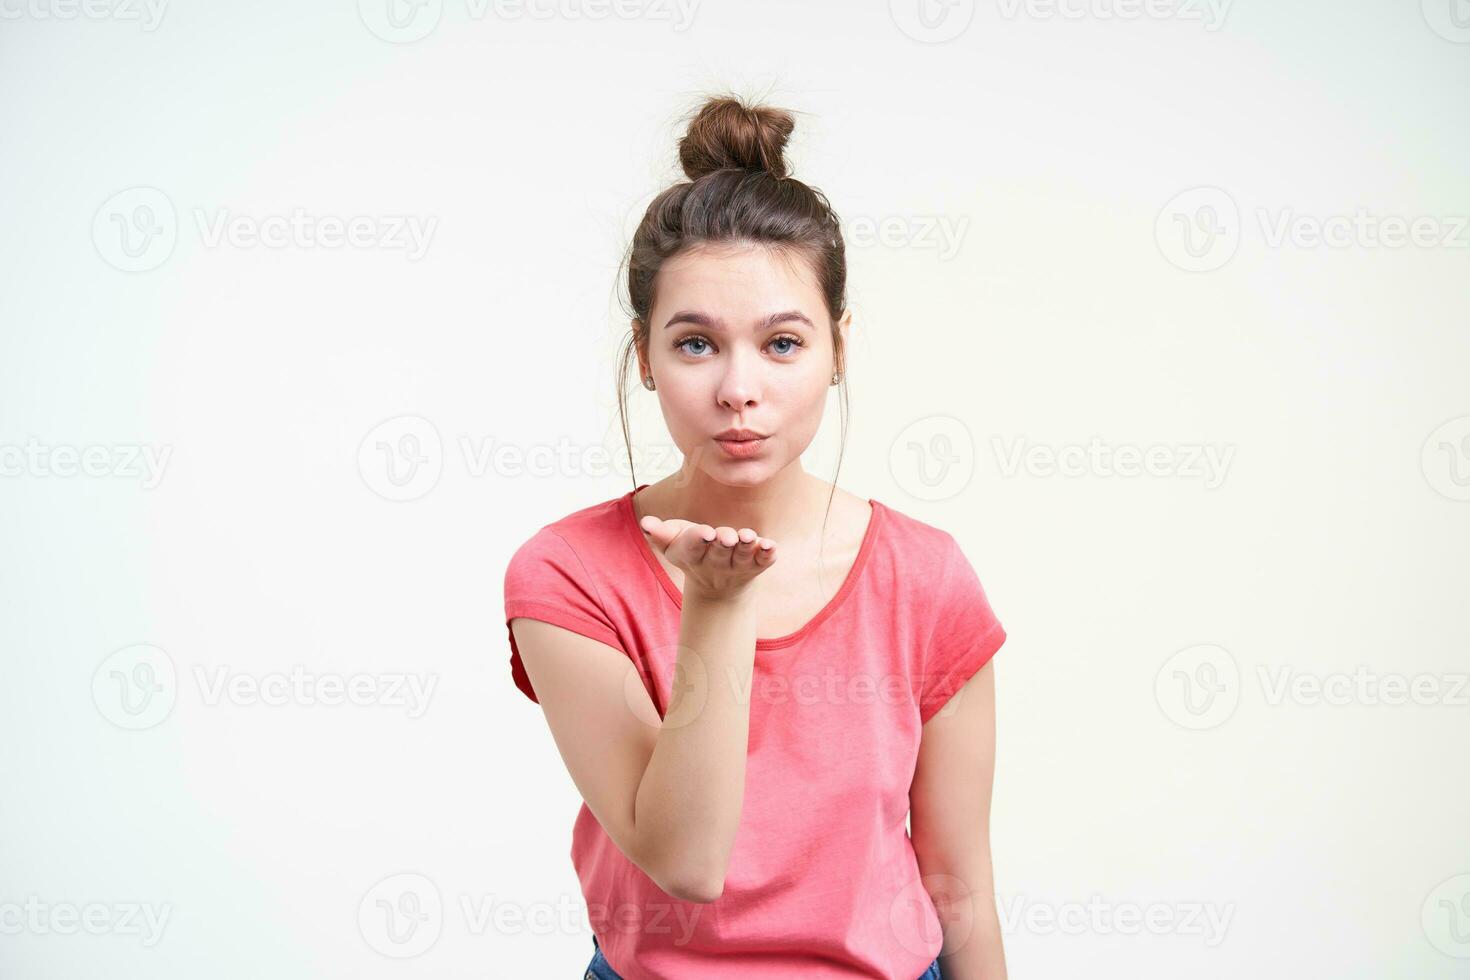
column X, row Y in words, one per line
column 786, row 507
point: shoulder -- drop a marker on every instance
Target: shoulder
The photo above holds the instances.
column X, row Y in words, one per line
column 588, row 526
column 589, row 532
column 921, row 549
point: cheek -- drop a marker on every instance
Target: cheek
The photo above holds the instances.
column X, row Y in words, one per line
column 801, row 409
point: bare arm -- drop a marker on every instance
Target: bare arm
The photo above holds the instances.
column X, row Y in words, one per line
column 688, row 803
column 668, row 792
column 950, row 815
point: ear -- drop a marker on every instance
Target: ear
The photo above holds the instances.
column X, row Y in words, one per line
column 638, row 349
column 844, row 326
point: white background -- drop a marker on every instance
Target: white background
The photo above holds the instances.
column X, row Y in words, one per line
column 1053, row 142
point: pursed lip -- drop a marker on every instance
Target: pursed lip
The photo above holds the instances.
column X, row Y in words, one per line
column 739, row 435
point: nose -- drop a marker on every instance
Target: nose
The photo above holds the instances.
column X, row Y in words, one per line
column 739, row 386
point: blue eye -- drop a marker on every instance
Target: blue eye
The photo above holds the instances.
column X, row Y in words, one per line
column 793, row 342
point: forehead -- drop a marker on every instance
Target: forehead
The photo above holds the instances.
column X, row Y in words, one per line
column 738, row 280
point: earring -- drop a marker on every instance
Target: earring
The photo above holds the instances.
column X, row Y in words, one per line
column 835, row 378
column 648, row 382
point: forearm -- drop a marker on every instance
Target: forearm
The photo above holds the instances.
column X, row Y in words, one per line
column 689, row 799
column 964, row 899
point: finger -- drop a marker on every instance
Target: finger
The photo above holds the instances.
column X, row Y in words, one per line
column 765, row 553
column 749, row 540
column 696, row 540
column 727, row 536
column 661, row 532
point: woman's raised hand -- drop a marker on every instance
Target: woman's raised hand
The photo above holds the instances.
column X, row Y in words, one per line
column 718, row 562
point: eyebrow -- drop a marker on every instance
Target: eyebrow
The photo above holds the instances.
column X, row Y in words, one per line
column 704, row 320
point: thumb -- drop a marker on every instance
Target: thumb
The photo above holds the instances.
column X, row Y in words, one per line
column 663, row 532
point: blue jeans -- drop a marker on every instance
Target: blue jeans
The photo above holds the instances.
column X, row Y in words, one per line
column 599, row 970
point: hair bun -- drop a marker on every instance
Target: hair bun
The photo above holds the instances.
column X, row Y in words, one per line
column 727, row 133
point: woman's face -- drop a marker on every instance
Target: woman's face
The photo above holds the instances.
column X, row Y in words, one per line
column 739, row 338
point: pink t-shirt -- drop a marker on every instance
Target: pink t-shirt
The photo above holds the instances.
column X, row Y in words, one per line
column 823, row 881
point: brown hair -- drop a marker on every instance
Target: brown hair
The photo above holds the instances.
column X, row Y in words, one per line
column 739, row 191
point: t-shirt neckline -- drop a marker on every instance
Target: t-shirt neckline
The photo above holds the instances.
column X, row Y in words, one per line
column 870, row 534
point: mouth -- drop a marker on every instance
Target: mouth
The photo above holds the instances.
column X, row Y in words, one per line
column 741, row 446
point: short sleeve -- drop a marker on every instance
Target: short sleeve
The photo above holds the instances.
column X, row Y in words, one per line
column 547, row 580
column 966, row 632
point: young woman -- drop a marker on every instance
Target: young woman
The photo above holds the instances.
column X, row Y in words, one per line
column 742, row 667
